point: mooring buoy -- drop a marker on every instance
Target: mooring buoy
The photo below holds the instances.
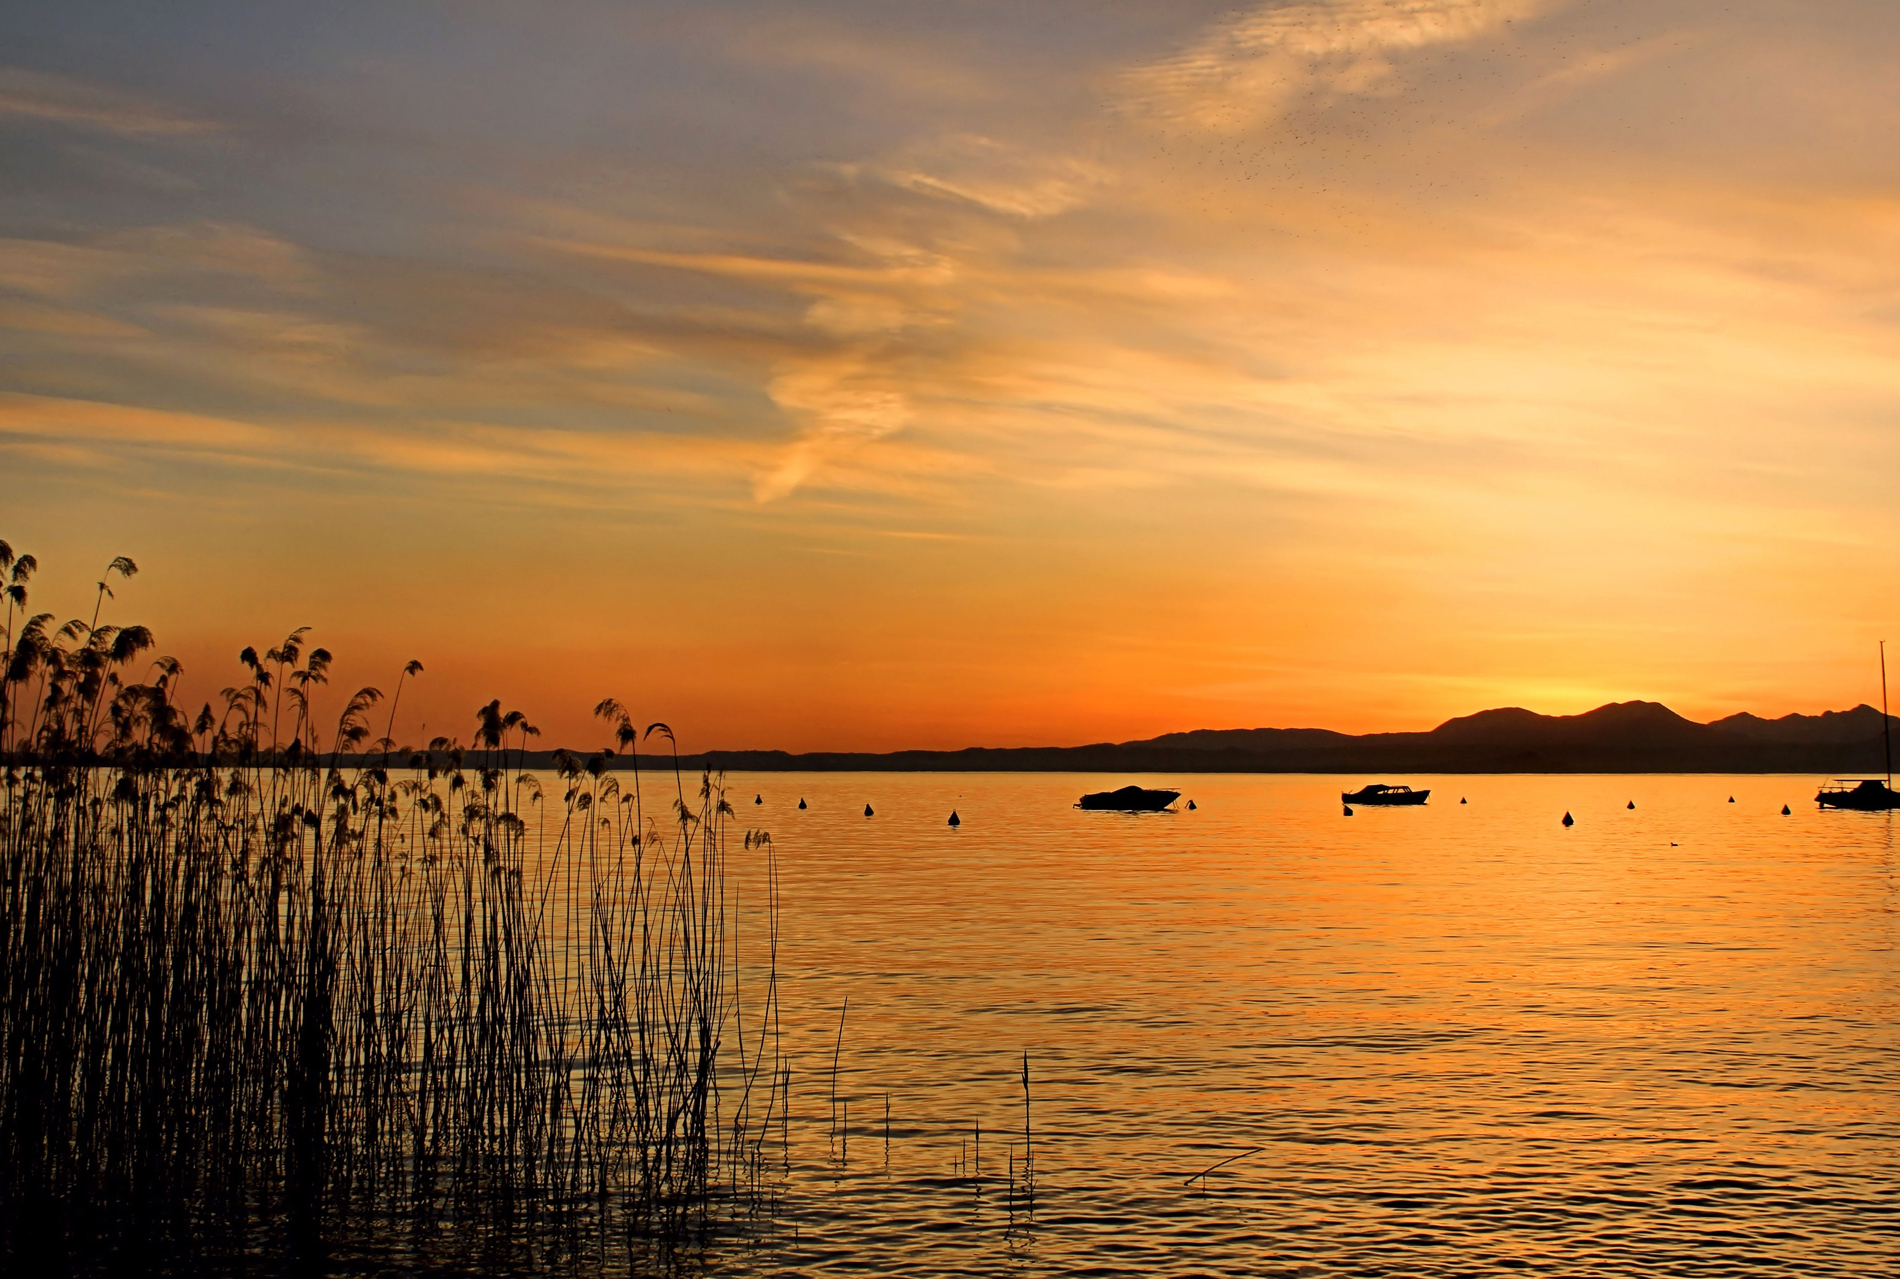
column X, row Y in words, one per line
column 1731, row 799
column 954, row 819
column 1632, row 803
column 1569, row 820
column 1348, row 808
column 1461, row 799
column 1190, row 806
column 801, row 802
column 867, row 811
column 758, row 799
column 1784, row 810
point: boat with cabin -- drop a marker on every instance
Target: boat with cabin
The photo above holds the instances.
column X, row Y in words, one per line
column 1129, row 799
column 1863, row 794
column 1380, row 793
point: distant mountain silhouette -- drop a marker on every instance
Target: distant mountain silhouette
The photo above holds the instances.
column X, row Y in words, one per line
column 1622, row 737
column 1246, row 739
column 1858, row 725
column 1642, row 725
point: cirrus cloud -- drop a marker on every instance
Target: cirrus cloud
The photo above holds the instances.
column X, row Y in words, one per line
column 1246, row 69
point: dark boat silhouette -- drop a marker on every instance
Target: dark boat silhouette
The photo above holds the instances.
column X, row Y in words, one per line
column 1869, row 795
column 1380, row 793
column 1865, row 794
column 1130, row 799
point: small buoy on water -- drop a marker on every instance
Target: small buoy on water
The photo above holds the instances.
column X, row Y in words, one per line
column 954, row 819
column 801, row 802
column 1731, row 799
column 1348, row 810
column 1784, row 810
column 758, row 799
column 1632, row 803
column 867, row 811
column 1569, row 820
column 1461, row 799
column 1190, row 806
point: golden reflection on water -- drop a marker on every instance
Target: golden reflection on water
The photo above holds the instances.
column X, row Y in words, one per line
column 1463, row 1037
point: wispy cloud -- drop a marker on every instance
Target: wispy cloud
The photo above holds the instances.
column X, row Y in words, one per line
column 75, row 270
column 861, row 53
column 1247, row 68
column 844, row 386
column 50, row 418
column 42, row 95
column 1586, row 68
column 96, row 432
column 999, row 177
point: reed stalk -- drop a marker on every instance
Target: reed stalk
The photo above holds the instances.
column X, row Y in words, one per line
column 261, row 992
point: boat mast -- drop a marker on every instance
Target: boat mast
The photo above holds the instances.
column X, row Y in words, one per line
column 1886, row 729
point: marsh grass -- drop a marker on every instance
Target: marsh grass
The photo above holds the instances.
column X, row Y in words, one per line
column 254, row 1002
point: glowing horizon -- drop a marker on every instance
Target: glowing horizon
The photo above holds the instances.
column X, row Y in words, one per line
column 829, row 376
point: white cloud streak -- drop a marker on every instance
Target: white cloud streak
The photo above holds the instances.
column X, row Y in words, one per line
column 1246, row 69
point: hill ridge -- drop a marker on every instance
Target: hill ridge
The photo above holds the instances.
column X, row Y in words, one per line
column 1618, row 737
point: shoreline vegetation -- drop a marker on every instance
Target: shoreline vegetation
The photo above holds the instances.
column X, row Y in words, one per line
column 259, row 1004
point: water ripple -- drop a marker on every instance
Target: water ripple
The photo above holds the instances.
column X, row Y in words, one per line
column 1451, row 1041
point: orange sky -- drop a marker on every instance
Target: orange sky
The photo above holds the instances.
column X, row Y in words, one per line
column 863, row 376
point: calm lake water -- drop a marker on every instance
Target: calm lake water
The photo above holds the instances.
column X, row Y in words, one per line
column 1451, row 1040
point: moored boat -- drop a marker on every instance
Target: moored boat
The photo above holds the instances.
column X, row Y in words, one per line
column 1380, row 793
column 1130, row 799
column 1866, row 795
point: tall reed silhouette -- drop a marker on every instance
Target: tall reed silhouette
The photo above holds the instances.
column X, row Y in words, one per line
column 260, row 990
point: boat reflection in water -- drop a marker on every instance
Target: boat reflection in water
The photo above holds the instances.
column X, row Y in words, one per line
column 1380, row 793
column 1130, row 799
column 1867, row 796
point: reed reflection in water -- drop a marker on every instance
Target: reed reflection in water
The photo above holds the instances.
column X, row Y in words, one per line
column 1463, row 1038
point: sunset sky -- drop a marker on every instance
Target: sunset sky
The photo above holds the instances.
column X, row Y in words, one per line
column 864, row 375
